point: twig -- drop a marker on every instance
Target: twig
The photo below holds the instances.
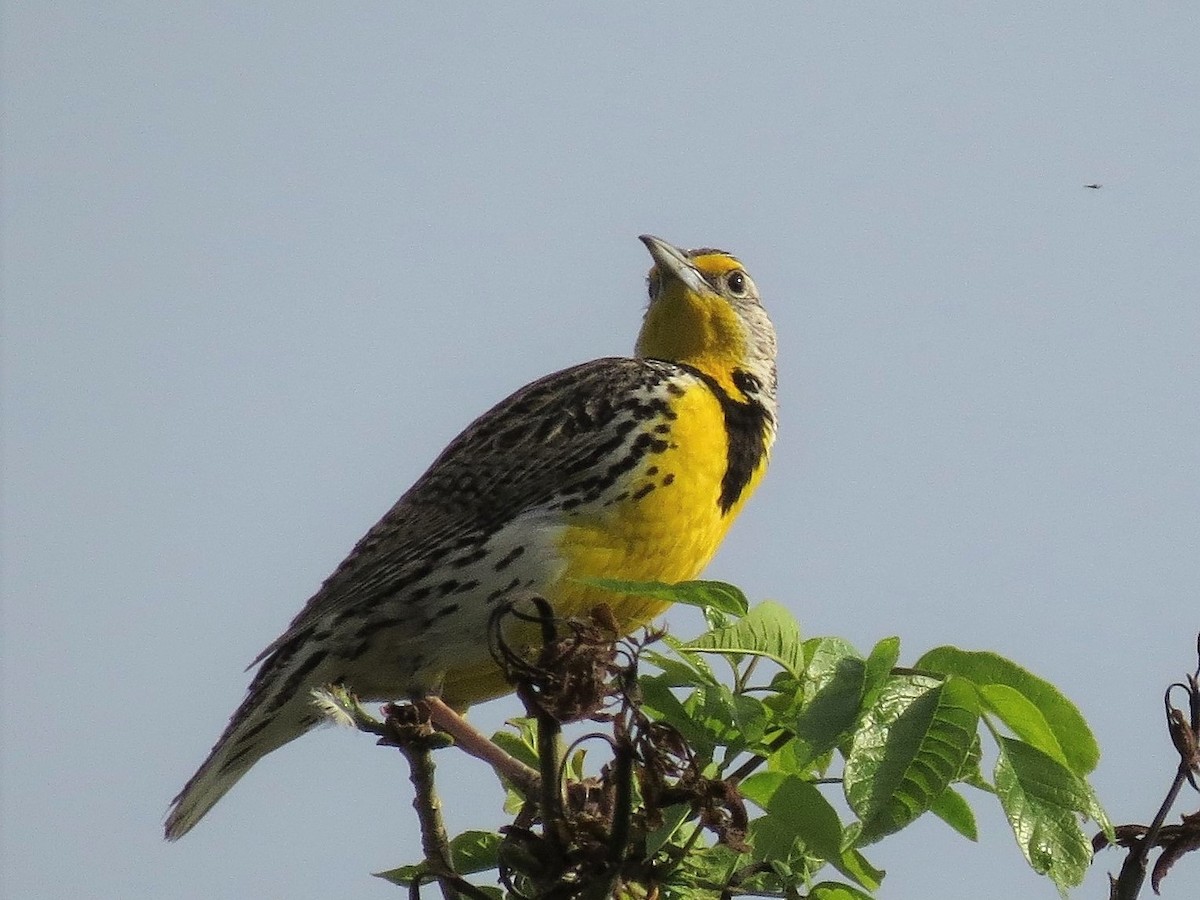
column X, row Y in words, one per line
column 778, row 743
column 409, row 731
column 1185, row 735
column 549, row 744
column 549, row 739
column 1129, row 883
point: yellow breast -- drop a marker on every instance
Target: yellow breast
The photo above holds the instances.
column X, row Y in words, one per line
column 661, row 521
column 666, row 523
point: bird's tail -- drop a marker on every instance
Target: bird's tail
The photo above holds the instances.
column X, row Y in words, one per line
column 276, row 710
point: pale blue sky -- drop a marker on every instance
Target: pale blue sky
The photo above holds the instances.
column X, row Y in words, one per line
column 260, row 262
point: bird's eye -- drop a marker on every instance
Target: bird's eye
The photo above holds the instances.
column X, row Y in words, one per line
column 736, row 282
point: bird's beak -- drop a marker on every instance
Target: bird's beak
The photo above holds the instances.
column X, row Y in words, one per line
column 671, row 262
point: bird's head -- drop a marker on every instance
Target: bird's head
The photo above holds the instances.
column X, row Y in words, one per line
column 705, row 312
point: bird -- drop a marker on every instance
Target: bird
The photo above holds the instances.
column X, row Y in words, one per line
column 628, row 468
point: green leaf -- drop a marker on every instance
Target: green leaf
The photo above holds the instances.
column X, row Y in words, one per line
column 523, row 743
column 1043, row 800
column 796, row 811
column 474, row 851
column 660, row 702
column 698, row 870
column 880, row 663
column 705, row 594
column 831, row 890
column 672, row 818
column 1056, row 715
column 907, row 749
column 824, row 656
column 767, row 630
column 854, row 865
column 827, row 701
column 793, row 758
column 709, row 716
column 1026, row 720
column 952, row 808
column 735, row 721
column 970, row 772
column 676, row 672
column 402, row 875
column 683, row 668
column 470, row 852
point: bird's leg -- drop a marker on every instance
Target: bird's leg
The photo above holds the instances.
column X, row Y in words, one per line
column 475, row 743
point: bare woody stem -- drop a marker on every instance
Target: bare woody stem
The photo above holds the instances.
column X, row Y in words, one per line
column 435, row 843
column 1185, row 734
column 1128, row 884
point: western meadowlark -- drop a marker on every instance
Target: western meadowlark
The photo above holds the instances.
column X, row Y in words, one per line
column 626, row 468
